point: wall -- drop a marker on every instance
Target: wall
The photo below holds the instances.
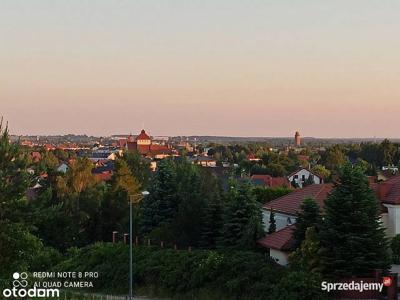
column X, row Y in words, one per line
column 392, row 220
column 306, row 173
column 279, row 256
column 281, row 219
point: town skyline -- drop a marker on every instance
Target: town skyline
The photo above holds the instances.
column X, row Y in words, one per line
column 135, row 131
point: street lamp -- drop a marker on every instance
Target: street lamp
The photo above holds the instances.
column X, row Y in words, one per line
column 135, row 198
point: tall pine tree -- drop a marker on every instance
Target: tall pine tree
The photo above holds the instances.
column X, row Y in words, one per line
column 352, row 238
column 308, row 216
column 13, row 177
column 242, row 219
column 160, row 207
column 212, row 214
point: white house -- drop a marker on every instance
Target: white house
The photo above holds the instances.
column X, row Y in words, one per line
column 204, row 161
column 286, row 208
column 302, row 175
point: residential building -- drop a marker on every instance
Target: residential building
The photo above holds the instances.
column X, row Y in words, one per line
column 286, row 208
column 303, row 175
column 269, row 181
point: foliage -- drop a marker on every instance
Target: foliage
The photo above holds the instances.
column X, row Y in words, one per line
column 140, row 168
column 308, row 216
column 267, row 194
column 306, row 257
column 299, row 286
column 242, row 219
column 321, row 171
column 395, row 247
column 237, row 274
column 272, row 222
column 78, row 178
column 160, row 207
column 352, row 237
column 13, row 177
column 20, row 250
column 334, row 157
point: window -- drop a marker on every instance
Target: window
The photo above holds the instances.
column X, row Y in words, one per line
column 303, row 177
column 296, row 176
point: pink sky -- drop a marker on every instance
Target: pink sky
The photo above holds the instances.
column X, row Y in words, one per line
column 181, row 69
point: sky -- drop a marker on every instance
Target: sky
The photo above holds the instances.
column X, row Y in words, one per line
column 201, row 67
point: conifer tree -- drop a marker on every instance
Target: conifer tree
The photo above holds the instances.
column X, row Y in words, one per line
column 308, row 216
column 306, row 257
column 212, row 212
column 160, row 207
column 242, row 219
column 272, row 222
column 13, row 177
column 352, row 238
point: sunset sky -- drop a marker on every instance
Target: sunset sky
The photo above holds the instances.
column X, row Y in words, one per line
column 207, row 67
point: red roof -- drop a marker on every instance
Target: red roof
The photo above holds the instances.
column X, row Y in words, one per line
column 303, row 157
column 290, row 203
column 36, row 156
column 143, row 136
column 279, row 240
column 105, row 176
column 143, row 149
column 272, row 181
column 388, row 191
column 122, row 142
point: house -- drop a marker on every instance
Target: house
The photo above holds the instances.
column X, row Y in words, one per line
column 302, row 175
column 203, row 161
column 388, row 192
column 49, row 147
column 269, row 181
column 280, row 244
column 286, row 208
column 104, row 154
column 36, row 156
column 104, row 171
column 252, row 157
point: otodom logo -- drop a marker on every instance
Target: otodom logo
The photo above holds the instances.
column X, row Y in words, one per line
column 20, row 290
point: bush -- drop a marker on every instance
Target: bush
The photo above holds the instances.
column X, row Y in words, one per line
column 266, row 194
column 236, row 274
column 395, row 246
column 299, row 286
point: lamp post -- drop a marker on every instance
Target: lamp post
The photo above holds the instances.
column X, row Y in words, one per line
column 135, row 198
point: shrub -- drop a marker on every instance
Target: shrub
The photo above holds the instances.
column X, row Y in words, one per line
column 236, row 274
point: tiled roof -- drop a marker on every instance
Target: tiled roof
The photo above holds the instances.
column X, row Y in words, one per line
column 279, row 240
column 142, row 136
column 270, row 181
column 388, row 191
column 290, row 203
